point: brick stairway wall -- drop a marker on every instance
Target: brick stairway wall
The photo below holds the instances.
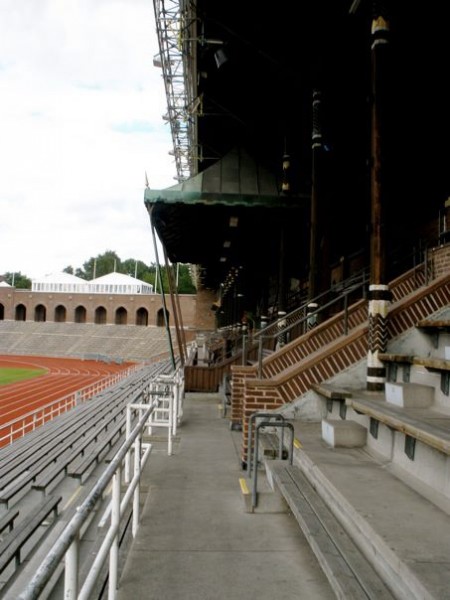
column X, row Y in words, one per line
column 320, row 360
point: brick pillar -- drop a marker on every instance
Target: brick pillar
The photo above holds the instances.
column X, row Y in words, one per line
column 259, row 396
column 239, row 374
column 205, row 317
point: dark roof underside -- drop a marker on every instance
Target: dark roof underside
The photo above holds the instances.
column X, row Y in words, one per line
column 259, row 97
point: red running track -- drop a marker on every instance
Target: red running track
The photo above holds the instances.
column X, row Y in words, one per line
column 62, row 376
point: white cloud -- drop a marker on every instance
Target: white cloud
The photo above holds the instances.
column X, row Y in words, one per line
column 80, row 124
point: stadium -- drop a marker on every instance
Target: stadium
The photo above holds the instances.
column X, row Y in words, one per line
column 294, row 441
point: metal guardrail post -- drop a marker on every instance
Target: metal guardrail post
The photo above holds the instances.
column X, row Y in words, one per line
column 244, row 349
column 281, row 424
column 345, row 314
column 253, row 417
column 260, row 356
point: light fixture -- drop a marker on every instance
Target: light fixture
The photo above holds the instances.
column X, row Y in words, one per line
column 233, row 222
column 196, row 106
column 220, row 57
column 157, row 62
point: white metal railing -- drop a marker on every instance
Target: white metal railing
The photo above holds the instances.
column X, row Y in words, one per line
column 32, row 420
column 124, row 491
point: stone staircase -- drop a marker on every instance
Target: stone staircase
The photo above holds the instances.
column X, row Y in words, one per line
column 327, row 351
column 368, row 479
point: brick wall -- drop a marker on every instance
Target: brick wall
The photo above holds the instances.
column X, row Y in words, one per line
column 11, row 297
column 205, row 317
column 239, row 375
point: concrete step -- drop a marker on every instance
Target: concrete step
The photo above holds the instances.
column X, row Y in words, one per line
column 350, row 573
column 266, row 501
column 400, row 525
column 409, row 395
column 343, row 433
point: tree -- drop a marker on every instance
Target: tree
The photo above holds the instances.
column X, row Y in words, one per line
column 185, row 283
column 18, row 280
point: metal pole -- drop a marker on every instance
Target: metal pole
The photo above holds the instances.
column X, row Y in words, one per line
column 136, row 493
column 162, row 294
column 260, row 356
column 114, row 551
column 71, row 571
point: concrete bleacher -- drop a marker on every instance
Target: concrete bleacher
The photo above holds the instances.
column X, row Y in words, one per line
column 113, row 342
column 40, row 460
column 41, row 473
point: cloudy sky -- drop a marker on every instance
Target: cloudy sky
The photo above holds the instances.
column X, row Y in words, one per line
column 81, row 108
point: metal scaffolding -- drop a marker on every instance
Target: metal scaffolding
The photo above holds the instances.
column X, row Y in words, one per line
column 176, row 29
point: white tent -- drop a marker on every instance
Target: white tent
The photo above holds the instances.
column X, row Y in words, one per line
column 118, row 283
column 113, row 283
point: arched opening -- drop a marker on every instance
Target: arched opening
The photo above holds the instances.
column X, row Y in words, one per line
column 121, row 316
column 20, row 313
column 142, row 317
column 40, row 313
column 80, row 314
column 160, row 322
column 60, row 314
column 2, row 312
column 100, row 315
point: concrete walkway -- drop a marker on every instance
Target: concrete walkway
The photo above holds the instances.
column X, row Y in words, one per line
column 196, row 541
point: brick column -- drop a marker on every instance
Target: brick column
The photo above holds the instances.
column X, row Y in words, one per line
column 239, row 374
column 259, row 396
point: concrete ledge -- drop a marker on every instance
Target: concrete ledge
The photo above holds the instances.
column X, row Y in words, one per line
column 432, row 431
column 434, row 364
column 344, row 434
column 269, row 500
column 331, row 392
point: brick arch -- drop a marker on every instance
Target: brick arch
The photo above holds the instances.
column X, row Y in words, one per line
column 100, row 315
column 160, row 322
column 121, row 316
column 142, row 316
column 40, row 313
column 20, row 312
column 80, row 314
column 60, row 314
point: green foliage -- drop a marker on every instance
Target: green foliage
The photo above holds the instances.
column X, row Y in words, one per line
column 185, row 282
column 18, row 280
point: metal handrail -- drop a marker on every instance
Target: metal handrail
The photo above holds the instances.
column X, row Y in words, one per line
column 283, row 424
column 251, row 419
column 66, row 548
column 300, row 314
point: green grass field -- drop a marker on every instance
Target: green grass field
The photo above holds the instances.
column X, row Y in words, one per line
column 13, row 375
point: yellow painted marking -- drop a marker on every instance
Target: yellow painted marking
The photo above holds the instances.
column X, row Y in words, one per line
column 297, row 443
column 72, row 498
column 244, row 487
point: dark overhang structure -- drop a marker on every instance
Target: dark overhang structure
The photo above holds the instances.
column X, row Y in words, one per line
column 240, row 78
